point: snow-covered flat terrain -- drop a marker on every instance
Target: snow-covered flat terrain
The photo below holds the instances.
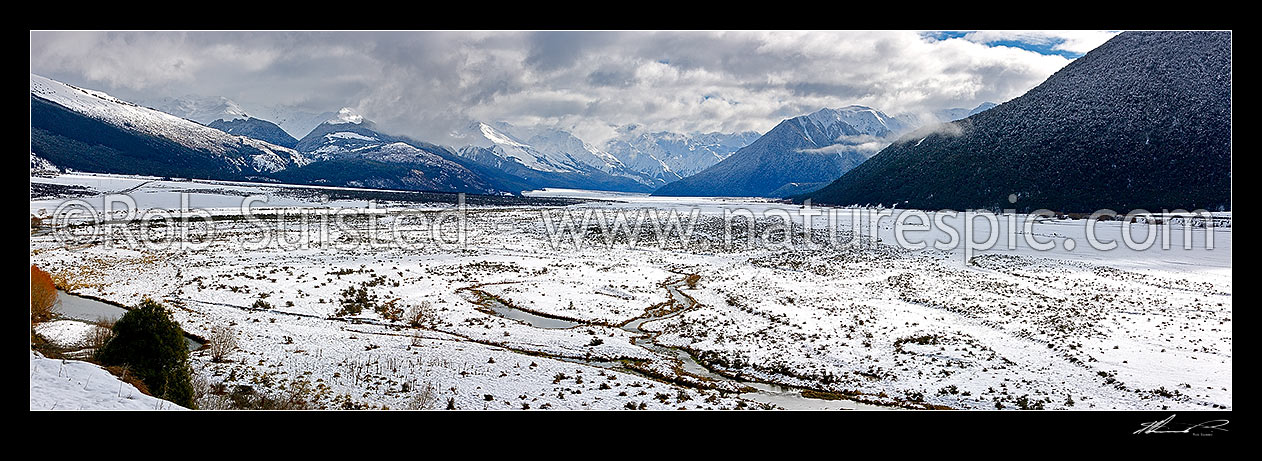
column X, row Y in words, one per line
column 146, row 192
column 703, row 323
column 69, row 334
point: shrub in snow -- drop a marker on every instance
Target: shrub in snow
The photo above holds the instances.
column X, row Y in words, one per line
column 355, row 300
column 222, row 341
column 151, row 345
column 422, row 315
column 43, row 295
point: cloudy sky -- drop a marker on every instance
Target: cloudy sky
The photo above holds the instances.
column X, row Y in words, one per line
column 430, row 84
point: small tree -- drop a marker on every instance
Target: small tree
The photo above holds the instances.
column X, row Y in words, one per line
column 151, row 344
column 222, row 341
column 43, row 295
column 422, row 315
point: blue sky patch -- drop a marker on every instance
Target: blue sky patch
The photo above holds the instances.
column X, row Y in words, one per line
column 1044, row 47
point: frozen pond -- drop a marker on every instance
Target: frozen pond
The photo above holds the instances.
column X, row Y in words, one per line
column 86, row 309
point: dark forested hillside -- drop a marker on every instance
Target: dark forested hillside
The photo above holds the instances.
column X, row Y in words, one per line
column 1143, row 121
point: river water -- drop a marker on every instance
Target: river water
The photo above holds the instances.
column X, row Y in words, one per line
column 787, row 397
column 90, row 310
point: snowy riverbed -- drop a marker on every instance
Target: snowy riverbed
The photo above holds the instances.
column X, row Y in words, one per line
column 1059, row 329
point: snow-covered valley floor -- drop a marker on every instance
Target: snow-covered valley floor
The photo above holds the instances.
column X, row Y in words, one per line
column 875, row 324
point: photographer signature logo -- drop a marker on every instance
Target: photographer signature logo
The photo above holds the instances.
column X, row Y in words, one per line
column 1167, row 426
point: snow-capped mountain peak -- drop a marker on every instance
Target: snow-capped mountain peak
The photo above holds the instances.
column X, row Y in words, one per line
column 347, row 115
column 668, row 156
column 506, row 144
column 499, row 137
column 864, row 119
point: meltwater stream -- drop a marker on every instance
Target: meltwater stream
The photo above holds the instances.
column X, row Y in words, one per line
column 787, row 397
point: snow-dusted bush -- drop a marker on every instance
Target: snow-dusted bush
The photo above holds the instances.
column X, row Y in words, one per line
column 422, row 315
column 355, row 300
column 222, row 341
column 426, row 398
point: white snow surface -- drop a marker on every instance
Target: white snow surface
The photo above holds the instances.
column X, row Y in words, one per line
column 65, row 333
column 349, row 135
column 78, row 385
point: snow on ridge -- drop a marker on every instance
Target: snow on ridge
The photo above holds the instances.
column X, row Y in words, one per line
column 507, row 147
column 42, row 164
column 349, row 135
column 604, row 155
column 499, row 138
column 101, row 106
column 404, row 152
column 561, row 146
column 667, row 156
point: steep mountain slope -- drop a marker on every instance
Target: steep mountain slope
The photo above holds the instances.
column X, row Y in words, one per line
column 563, row 143
column 86, row 130
column 666, row 157
column 395, row 165
column 258, row 129
column 1143, row 121
column 345, row 133
column 92, row 131
column 799, row 153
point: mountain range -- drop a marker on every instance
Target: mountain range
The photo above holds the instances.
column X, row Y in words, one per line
column 664, row 156
column 207, row 109
column 549, row 158
column 86, row 130
column 1143, row 121
column 347, row 149
column 802, row 154
column 89, row 130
